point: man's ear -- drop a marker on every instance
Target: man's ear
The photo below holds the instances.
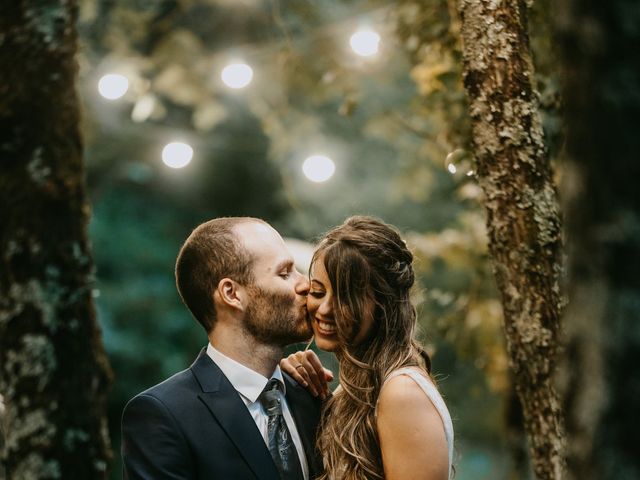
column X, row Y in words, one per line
column 231, row 294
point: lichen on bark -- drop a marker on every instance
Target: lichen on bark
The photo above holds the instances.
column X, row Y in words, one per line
column 53, row 369
column 522, row 211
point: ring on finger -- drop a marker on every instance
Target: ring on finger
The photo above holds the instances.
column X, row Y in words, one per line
column 299, row 365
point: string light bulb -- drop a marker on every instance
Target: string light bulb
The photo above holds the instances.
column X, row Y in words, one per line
column 365, row 42
column 177, row 154
column 237, row 75
column 113, row 86
column 318, row 168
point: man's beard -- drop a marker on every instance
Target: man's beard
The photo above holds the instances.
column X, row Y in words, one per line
column 272, row 319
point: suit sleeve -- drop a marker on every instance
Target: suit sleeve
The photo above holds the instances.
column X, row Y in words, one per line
column 153, row 447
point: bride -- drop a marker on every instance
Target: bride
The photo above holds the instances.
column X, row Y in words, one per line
column 386, row 419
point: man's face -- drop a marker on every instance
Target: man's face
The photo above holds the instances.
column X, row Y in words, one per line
column 276, row 313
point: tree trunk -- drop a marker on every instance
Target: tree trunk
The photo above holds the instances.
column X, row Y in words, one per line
column 601, row 89
column 522, row 212
column 53, row 369
column 516, row 438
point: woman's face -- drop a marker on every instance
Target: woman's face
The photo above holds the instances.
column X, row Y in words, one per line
column 321, row 312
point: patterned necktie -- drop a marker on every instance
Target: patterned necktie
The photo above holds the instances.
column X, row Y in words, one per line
column 281, row 446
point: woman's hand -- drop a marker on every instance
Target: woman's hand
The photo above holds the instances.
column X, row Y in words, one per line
column 306, row 369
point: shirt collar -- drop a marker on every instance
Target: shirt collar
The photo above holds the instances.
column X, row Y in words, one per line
column 247, row 382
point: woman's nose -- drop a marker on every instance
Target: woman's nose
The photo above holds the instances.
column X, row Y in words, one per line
column 325, row 308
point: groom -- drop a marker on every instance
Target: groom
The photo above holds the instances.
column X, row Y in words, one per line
column 233, row 414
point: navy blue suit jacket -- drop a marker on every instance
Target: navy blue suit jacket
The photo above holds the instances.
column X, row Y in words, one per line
column 194, row 425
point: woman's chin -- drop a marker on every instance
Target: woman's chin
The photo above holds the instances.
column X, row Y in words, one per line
column 324, row 343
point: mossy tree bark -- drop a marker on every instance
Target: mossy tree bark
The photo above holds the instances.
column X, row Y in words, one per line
column 522, row 211
column 601, row 89
column 53, row 369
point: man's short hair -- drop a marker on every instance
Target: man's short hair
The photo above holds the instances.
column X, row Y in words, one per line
column 212, row 252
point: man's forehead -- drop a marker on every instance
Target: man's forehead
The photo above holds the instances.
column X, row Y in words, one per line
column 256, row 232
column 260, row 238
column 256, row 227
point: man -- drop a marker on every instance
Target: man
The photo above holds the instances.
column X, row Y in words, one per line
column 233, row 414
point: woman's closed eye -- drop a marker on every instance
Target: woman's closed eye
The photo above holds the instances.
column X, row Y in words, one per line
column 317, row 293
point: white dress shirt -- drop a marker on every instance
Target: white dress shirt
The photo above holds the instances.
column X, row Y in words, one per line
column 249, row 384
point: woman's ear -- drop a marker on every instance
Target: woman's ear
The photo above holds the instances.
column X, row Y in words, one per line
column 231, row 294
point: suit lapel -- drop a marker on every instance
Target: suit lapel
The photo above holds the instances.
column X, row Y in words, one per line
column 225, row 404
column 306, row 413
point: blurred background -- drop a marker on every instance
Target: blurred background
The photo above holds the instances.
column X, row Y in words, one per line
column 301, row 113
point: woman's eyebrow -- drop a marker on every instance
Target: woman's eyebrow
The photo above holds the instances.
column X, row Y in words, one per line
column 313, row 280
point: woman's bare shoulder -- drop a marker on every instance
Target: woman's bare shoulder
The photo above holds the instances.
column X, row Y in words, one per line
column 402, row 391
column 407, row 421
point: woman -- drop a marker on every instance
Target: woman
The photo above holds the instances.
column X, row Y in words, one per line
column 386, row 420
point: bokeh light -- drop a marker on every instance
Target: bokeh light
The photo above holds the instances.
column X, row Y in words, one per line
column 113, row 86
column 365, row 42
column 143, row 108
column 237, row 75
column 177, row 154
column 318, row 168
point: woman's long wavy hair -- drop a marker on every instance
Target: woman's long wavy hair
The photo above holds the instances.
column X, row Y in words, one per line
column 370, row 270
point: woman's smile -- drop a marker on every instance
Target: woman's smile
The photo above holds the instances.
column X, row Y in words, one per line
column 325, row 328
column 320, row 308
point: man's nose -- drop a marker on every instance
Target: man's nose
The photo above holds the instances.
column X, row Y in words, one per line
column 302, row 285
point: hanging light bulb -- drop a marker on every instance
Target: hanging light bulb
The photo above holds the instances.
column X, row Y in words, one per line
column 113, row 86
column 177, row 154
column 237, row 75
column 318, row 168
column 365, row 42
